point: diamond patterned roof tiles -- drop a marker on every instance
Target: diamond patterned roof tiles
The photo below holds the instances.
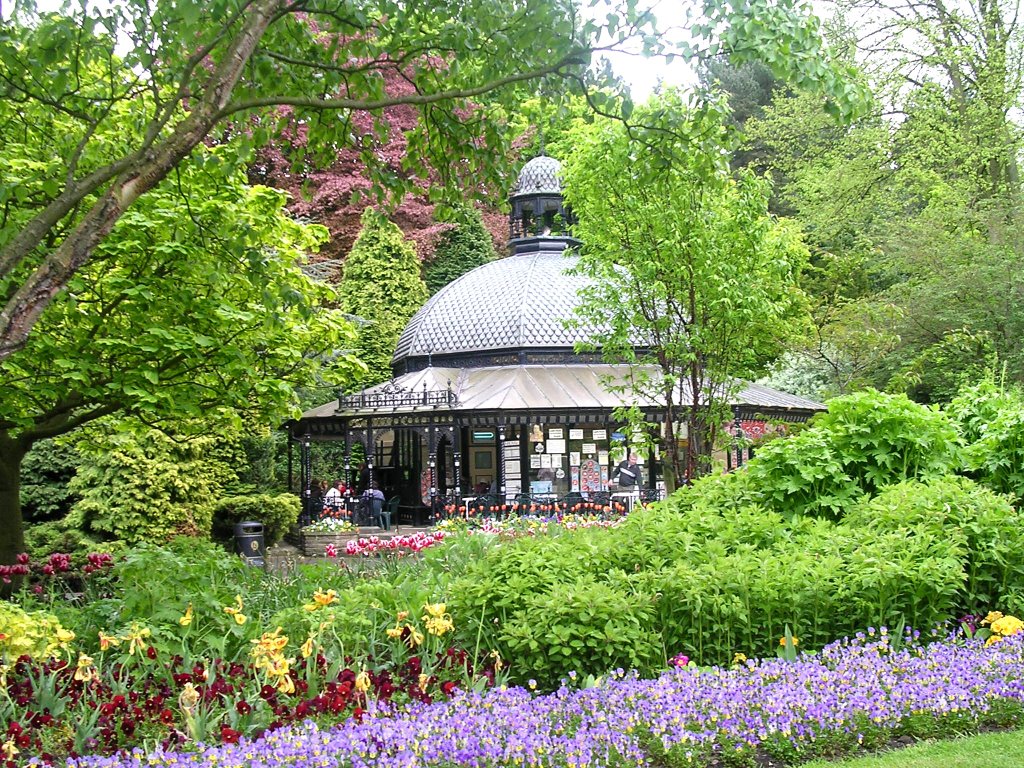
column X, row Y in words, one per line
column 540, row 175
column 519, row 302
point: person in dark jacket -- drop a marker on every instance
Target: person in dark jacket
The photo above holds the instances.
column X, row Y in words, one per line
column 627, row 473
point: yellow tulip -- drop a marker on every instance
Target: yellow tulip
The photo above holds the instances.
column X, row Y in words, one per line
column 85, row 671
column 437, row 610
column 362, row 682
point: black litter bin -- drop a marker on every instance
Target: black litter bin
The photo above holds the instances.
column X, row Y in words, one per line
column 249, row 542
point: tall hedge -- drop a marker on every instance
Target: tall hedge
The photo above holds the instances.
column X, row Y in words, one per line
column 466, row 246
column 381, row 284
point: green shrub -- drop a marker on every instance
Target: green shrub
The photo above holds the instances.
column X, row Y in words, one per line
column 864, row 442
column 43, row 539
column 978, row 405
column 990, row 529
column 154, row 586
column 146, row 488
column 586, row 626
column 466, row 246
column 45, row 474
column 380, row 283
column 277, row 513
column 992, row 420
column 710, row 584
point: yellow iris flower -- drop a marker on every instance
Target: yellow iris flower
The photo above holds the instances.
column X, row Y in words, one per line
column 236, row 611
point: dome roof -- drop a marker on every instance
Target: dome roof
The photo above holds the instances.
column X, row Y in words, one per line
column 540, row 175
column 519, row 302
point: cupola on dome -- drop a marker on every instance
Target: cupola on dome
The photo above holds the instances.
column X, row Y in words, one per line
column 539, row 176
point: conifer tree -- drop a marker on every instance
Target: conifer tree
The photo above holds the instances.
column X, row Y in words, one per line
column 465, row 246
column 381, row 284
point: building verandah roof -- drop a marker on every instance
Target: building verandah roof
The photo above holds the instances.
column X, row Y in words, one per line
column 533, row 388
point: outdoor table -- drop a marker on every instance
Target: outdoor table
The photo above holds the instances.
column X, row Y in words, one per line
column 628, row 497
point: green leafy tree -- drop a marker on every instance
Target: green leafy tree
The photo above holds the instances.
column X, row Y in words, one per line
column 103, row 101
column 381, row 285
column 467, row 245
column 912, row 222
column 688, row 258
column 195, row 311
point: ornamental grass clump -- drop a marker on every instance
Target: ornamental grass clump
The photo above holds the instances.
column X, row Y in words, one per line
column 860, row 692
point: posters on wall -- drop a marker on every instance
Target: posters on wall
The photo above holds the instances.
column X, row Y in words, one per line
column 574, row 458
column 590, row 476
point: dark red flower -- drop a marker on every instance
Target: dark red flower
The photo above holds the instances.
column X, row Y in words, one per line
column 166, row 717
column 151, row 652
column 243, row 708
column 229, row 735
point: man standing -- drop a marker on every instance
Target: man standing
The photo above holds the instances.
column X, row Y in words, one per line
column 627, row 474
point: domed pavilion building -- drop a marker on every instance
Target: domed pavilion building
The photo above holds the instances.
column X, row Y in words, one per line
column 488, row 394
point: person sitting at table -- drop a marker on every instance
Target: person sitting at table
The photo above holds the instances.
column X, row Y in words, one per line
column 371, row 503
column 334, row 498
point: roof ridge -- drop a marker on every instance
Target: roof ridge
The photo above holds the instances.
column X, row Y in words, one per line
column 521, row 336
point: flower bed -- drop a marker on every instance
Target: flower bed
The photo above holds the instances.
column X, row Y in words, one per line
column 854, row 693
column 332, row 535
column 366, row 546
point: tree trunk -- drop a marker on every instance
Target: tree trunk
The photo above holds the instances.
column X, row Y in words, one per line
column 669, row 460
column 12, row 530
column 700, row 439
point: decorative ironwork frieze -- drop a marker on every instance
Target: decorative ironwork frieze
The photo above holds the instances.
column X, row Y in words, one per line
column 392, row 396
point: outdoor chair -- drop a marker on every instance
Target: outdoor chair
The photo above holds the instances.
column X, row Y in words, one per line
column 573, row 502
column 376, row 512
column 390, row 512
column 484, row 506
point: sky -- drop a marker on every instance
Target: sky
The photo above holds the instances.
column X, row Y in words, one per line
column 643, row 74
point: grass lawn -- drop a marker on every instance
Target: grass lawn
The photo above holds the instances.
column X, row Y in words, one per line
column 992, row 750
